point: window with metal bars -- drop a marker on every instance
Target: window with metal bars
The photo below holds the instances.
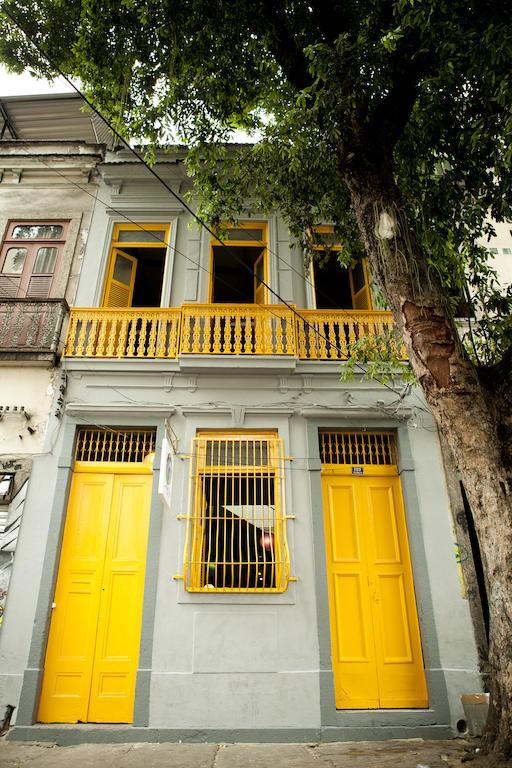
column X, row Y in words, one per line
column 95, row 444
column 236, row 527
column 362, row 448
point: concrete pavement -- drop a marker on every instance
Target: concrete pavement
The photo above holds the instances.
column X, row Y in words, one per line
column 408, row 753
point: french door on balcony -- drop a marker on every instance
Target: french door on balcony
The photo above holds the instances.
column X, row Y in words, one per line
column 333, row 285
column 135, row 270
column 238, row 269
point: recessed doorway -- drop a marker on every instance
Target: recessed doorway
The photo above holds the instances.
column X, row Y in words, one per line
column 336, row 286
column 238, row 269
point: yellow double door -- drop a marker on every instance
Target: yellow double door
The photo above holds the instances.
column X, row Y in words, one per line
column 376, row 649
column 93, row 644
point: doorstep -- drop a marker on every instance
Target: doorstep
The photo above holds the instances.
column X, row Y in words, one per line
column 91, row 733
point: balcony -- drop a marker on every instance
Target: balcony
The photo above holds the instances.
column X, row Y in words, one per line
column 31, row 329
column 221, row 329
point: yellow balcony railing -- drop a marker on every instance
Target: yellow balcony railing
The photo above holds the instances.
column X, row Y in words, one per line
column 237, row 329
column 223, row 329
column 133, row 332
column 328, row 334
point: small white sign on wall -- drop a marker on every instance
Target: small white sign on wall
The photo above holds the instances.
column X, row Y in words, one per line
column 166, row 467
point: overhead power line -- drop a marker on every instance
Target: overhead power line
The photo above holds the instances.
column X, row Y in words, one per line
column 172, row 192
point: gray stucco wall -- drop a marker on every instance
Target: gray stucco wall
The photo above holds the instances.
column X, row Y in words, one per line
column 215, row 665
column 246, row 661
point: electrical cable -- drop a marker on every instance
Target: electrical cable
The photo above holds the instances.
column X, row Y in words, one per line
column 172, row 192
column 197, row 264
column 158, row 239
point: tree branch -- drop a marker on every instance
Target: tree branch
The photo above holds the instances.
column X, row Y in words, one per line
column 390, row 114
column 330, row 18
column 284, row 46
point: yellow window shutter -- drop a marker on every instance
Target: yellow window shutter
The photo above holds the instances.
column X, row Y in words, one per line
column 120, row 280
column 360, row 286
column 259, row 275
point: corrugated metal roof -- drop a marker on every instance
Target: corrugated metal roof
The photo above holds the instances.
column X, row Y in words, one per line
column 58, row 117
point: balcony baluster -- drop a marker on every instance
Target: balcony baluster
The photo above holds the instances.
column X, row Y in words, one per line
column 223, row 329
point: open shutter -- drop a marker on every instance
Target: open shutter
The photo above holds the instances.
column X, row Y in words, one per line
column 120, row 280
column 259, row 275
column 360, row 286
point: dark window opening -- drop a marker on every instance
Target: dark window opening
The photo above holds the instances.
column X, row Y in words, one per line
column 332, row 283
column 232, row 282
column 238, row 533
column 149, row 275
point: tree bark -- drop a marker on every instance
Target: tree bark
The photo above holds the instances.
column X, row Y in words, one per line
column 462, row 404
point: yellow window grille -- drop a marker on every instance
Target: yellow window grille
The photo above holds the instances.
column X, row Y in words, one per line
column 377, row 448
column 236, row 527
column 109, row 445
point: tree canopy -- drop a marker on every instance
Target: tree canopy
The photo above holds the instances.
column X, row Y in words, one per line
column 425, row 83
column 391, row 119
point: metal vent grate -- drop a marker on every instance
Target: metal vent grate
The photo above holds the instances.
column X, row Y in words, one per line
column 109, row 445
column 377, row 448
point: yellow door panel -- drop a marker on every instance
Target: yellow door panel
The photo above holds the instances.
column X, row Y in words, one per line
column 398, row 646
column 69, row 655
column 376, row 648
column 353, row 647
column 93, row 645
column 120, row 613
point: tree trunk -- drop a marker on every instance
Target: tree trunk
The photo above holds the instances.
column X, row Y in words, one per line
column 460, row 402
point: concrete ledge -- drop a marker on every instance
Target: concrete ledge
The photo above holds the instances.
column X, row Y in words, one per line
column 384, row 732
column 227, row 364
column 385, row 718
column 109, row 365
column 67, row 735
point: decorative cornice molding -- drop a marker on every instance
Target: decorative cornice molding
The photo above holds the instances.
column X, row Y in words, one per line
column 367, row 413
column 79, row 409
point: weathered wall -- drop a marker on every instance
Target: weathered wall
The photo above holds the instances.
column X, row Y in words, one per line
column 249, row 661
column 32, row 389
column 257, row 663
column 42, row 181
column 45, row 180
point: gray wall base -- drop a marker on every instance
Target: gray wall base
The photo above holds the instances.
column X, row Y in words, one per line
column 67, row 735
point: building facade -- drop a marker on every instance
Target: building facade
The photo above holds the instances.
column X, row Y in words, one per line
column 48, row 154
column 226, row 541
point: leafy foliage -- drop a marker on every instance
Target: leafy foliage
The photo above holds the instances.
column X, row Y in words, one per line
column 487, row 332
column 382, row 358
column 423, row 85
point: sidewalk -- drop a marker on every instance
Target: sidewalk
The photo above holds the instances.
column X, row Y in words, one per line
column 363, row 754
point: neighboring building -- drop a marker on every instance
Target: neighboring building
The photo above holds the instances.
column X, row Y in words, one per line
column 225, row 541
column 47, row 145
column 501, row 248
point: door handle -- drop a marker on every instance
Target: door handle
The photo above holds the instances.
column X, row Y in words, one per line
column 374, row 593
